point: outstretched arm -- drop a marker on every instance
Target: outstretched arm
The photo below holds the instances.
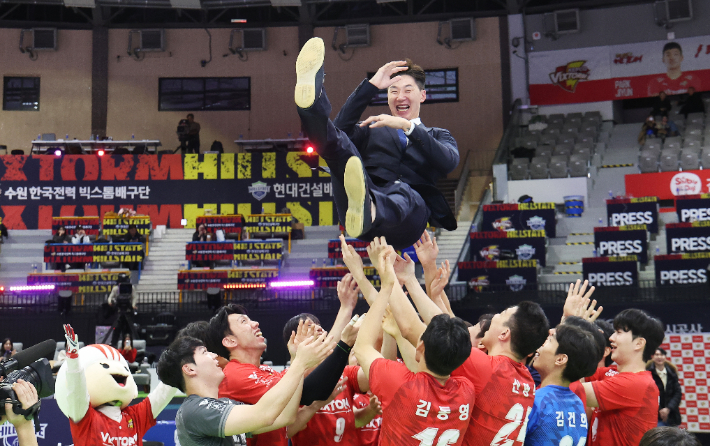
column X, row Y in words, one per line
column 427, row 251
column 160, row 398
column 354, row 263
column 78, row 395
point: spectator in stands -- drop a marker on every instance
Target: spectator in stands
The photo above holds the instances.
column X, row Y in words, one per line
column 62, row 236
column 666, row 128
column 7, row 349
column 693, row 103
column 668, row 436
column 3, row 232
column 80, row 236
column 132, row 236
column 200, row 234
column 193, row 135
column 127, row 350
column 648, row 129
column 665, row 374
column 661, row 105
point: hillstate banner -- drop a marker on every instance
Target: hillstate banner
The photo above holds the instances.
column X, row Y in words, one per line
column 166, row 188
column 608, row 73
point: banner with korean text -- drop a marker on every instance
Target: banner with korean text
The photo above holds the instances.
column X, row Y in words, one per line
column 90, row 253
column 90, row 282
column 201, row 280
column 608, row 73
column 166, row 188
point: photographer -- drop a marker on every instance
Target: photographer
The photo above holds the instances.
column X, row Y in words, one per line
column 193, row 135
column 123, row 298
column 27, row 395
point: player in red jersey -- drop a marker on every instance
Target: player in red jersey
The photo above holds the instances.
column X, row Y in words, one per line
column 674, row 81
column 626, row 397
column 369, row 434
column 236, row 337
column 429, row 406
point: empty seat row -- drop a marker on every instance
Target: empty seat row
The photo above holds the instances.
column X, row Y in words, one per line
column 671, row 161
column 532, row 142
column 542, row 168
column 656, row 144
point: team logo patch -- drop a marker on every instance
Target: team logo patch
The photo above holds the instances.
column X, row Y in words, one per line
column 536, row 223
column 490, row 252
column 516, row 282
column 478, row 283
column 568, row 76
column 525, row 252
column 503, row 224
column 259, row 190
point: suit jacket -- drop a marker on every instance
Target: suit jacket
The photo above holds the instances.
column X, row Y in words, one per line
column 431, row 154
column 670, row 396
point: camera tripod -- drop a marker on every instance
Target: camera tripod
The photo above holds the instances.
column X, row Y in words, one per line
column 121, row 325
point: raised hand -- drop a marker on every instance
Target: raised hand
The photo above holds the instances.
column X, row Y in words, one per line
column 441, row 279
column 404, row 268
column 377, row 245
column 72, row 346
column 306, row 329
column 350, row 257
column 426, row 248
column 348, row 292
column 375, row 404
column 575, row 298
column 314, row 350
column 386, row 267
column 349, row 333
column 383, row 78
column 389, row 324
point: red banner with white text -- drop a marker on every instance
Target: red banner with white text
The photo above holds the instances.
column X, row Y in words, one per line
column 620, row 71
column 668, row 185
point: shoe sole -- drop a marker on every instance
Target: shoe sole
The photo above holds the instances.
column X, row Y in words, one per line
column 309, row 61
column 354, row 183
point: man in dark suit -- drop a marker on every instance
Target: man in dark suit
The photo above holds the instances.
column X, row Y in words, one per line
column 384, row 169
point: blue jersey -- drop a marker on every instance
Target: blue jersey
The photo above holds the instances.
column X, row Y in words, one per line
column 557, row 418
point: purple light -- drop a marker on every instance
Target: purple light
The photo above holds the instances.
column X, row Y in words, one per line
column 292, row 284
column 57, row 153
column 32, row 288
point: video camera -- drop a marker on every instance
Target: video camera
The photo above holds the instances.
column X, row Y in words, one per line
column 30, row 365
column 183, row 129
column 125, row 293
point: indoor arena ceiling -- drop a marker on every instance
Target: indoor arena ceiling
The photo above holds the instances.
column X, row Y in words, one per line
column 221, row 13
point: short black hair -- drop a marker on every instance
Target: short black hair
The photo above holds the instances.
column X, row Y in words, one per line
column 132, row 226
column 640, row 324
column 447, row 344
column 198, row 329
column 179, row 353
column 292, row 324
column 529, row 328
column 663, row 352
column 415, row 71
column 591, row 329
column 607, row 330
column 577, row 343
column 668, row 436
column 484, row 323
column 672, row 46
column 190, row 114
column 219, row 328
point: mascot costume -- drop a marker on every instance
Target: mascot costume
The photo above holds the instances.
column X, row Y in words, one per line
column 94, row 388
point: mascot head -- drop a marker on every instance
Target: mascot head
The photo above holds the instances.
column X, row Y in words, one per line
column 108, row 378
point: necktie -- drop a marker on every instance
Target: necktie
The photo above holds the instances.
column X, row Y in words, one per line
column 402, row 138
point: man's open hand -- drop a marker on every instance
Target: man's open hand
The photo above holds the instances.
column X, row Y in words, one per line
column 426, row 248
column 404, row 268
column 385, row 120
column 350, row 257
column 383, row 78
column 348, row 292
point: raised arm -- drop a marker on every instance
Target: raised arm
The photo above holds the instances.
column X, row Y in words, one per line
column 347, row 294
column 405, row 273
column 427, row 251
column 264, row 413
column 354, row 263
column 364, row 348
column 406, row 349
column 77, row 403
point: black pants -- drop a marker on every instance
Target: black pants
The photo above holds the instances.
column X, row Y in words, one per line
column 124, row 325
column 193, row 144
column 401, row 215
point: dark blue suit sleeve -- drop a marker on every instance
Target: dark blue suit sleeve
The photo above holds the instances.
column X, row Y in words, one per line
column 438, row 147
column 352, row 110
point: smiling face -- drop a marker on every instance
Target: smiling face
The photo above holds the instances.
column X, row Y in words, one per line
column 404, row 98
column 109, row 381
column 245, row 333
column 206, row 367
column 547, row 356
column 624, row 346
column 7, row 345
column 659, row 358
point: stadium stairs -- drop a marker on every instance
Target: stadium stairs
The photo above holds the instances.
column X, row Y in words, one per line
column 19, row 252
column 164, row 260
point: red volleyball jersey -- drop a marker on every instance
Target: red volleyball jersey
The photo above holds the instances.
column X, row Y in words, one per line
column 335, row 422
column 628, row 407
column 96, row 428
column 417, row 409
column 369, row 434
column 247, row 384
column 505, row 393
